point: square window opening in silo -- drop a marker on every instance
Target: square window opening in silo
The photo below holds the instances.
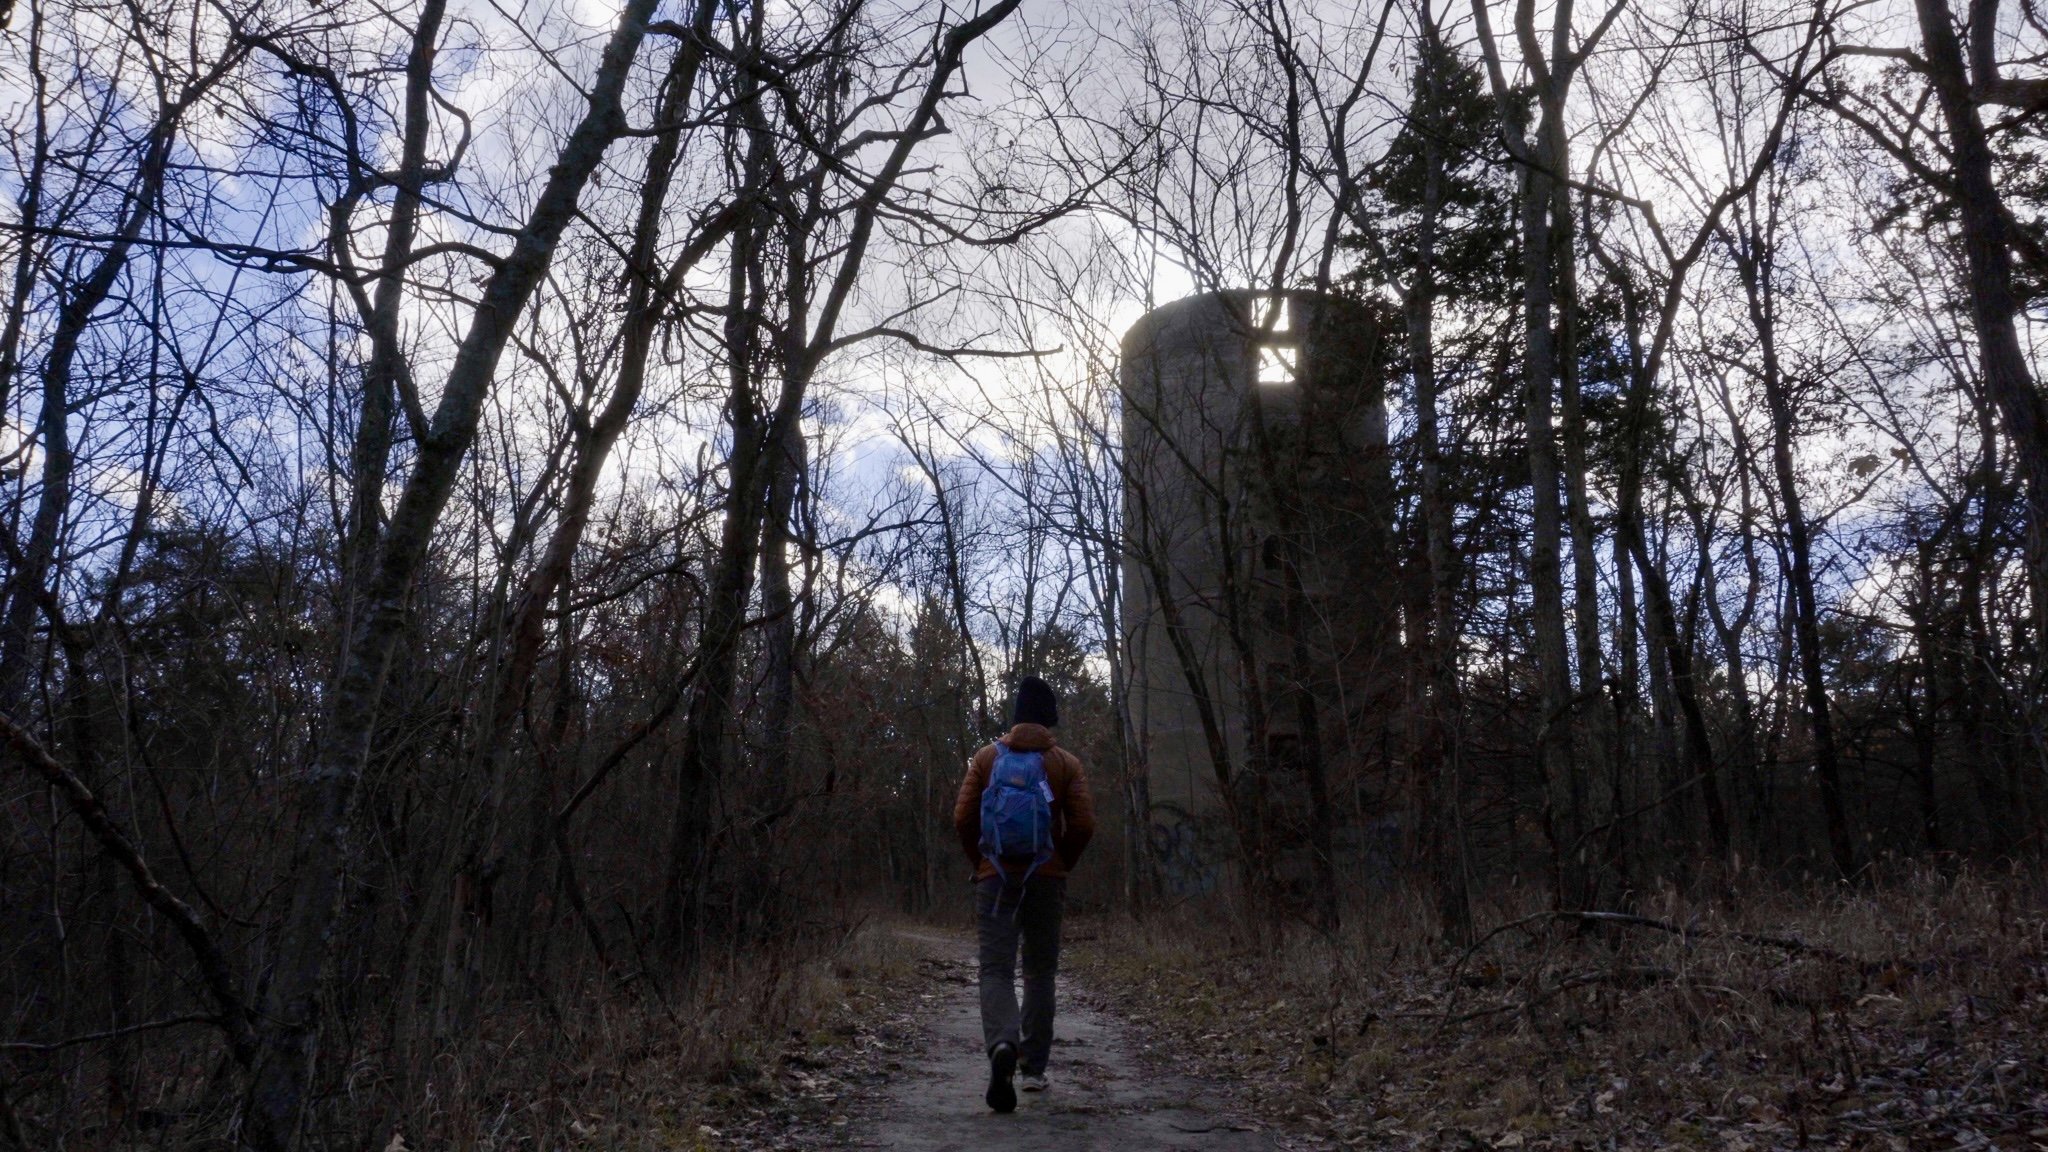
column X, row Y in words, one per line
column 1276, row 365
column 1271, row 314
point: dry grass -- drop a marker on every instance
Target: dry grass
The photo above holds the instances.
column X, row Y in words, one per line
column 754, row 1053
column 1915, row 1017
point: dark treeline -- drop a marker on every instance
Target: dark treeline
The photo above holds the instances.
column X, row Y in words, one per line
column 512, row 512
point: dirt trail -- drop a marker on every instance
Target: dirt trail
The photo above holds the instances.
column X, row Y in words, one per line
column 1102, row 1096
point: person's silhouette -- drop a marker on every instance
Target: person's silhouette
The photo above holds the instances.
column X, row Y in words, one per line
column 1020, row 879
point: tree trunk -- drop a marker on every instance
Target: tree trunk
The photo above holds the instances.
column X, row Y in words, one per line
column 1579, row 516
column 778, row 608
column 1676, row 663
column 1753, row 267
column 1923, row 718
column 328, row 787
column 1730, row 635
column 1322, row 819
column 727, row 589
column 479, row 862
column 386, row 369
column 1436, row 769
column 1987, row 260
column 1625, row 764
column 1546, row 582
column 799, row 352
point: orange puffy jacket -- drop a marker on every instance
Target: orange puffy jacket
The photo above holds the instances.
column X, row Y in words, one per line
column 1073, row 808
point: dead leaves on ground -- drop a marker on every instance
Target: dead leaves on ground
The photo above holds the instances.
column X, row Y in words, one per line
column 1601, row 1040
column 823, row 1082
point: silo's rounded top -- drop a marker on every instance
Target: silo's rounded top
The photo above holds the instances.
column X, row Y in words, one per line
column 1237, row 313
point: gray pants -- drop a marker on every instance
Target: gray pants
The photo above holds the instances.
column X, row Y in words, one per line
column 1006, row 916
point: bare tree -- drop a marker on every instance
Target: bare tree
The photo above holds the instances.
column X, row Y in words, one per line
column 812, row 298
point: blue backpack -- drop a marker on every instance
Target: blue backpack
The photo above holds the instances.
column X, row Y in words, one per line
column 1016, row 811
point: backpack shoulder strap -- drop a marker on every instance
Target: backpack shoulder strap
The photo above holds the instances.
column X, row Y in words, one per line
column 1059, row 770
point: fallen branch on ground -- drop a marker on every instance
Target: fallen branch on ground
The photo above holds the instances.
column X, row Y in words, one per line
column 1685, row 932
column 1641, row 976
column 109, row 1034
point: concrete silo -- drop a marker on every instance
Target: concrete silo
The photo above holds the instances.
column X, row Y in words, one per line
column 1261, row 587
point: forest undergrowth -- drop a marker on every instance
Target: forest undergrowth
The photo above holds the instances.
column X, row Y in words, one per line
column 730, row 1062
column 757, row 1051
column 762, row 1051
column 1910, row 1012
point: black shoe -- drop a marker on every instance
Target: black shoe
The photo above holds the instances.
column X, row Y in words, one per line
column 1002, row 1064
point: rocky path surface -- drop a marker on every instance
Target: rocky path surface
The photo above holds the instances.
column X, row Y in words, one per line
column 1105, row 1094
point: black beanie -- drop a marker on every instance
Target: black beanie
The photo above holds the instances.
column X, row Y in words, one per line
column 1036, row 703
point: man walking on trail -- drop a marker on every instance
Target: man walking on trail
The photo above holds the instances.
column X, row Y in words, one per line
column 1024, row 816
